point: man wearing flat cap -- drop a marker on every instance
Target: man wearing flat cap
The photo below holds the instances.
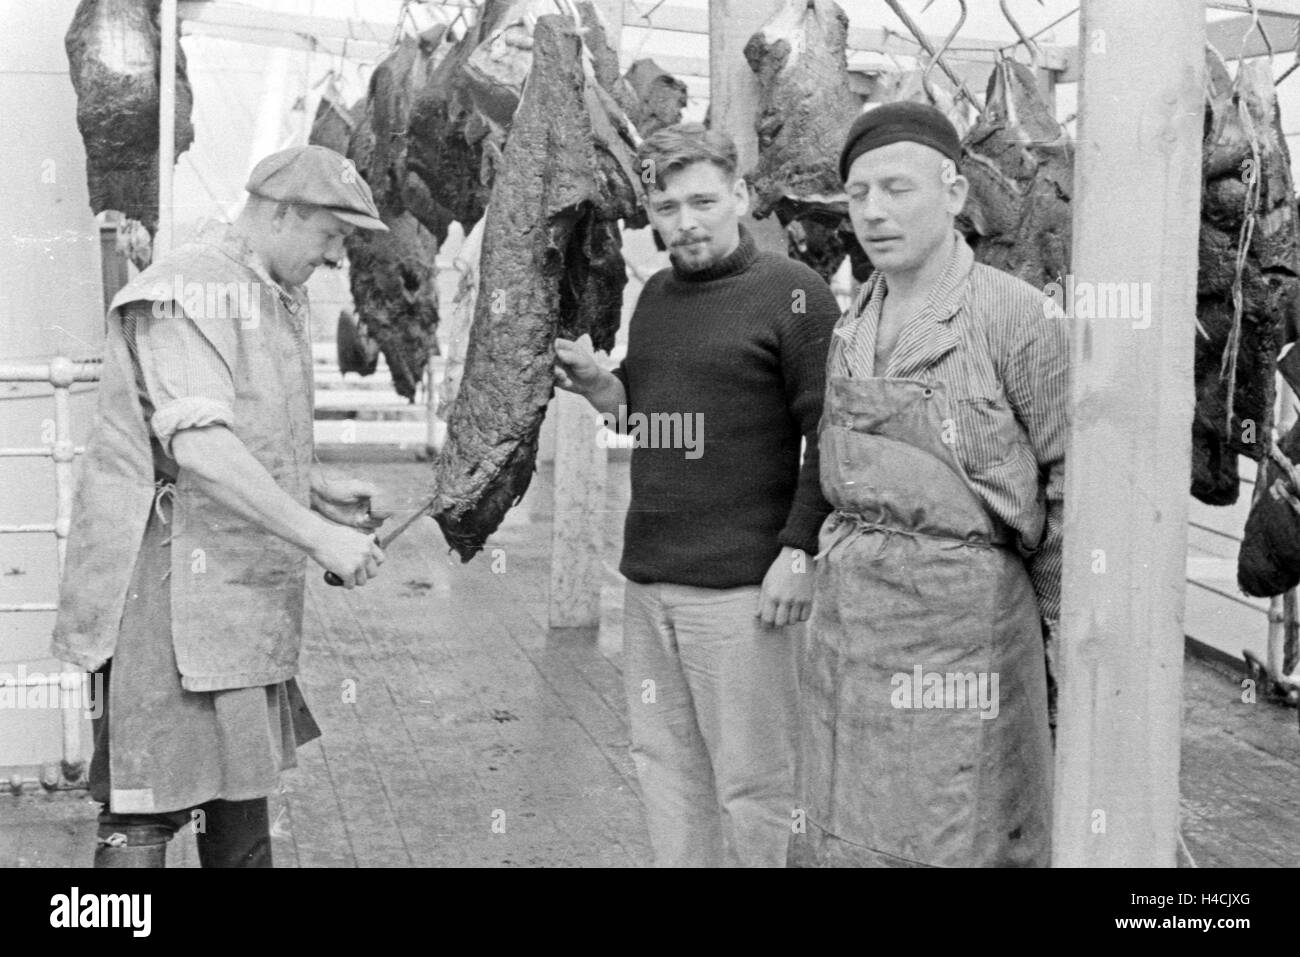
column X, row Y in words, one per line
column 196, row 510
column 924, row 728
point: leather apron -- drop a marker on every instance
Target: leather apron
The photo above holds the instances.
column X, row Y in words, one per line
column 924, row 735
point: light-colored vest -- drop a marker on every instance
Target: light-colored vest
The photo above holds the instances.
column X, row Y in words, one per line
column 236, row 591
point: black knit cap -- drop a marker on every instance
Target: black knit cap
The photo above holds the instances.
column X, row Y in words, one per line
column 895, row 123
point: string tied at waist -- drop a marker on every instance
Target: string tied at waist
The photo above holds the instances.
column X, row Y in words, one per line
column 847, row 525
column 163, row 488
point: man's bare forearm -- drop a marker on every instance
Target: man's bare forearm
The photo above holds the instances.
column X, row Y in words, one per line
column 226, row 471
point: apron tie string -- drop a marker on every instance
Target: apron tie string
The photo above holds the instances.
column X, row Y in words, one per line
column 165, row 488
column 854, row 525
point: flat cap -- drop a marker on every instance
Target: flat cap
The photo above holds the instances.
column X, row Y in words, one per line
column 317, row 176
column 898, row 122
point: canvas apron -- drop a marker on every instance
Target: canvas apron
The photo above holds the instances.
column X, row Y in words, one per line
column 918, row 589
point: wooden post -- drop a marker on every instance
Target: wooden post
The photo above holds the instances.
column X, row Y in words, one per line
column 577, row 539
column 1281, row 608
column 162, row 240
column 1136, row 219
column 733, row 93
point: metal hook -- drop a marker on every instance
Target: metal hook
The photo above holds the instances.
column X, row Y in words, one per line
column 400, row 27
column 459, row 18
column 928, row 47
column 947, row 42
column 1255, row 25
column 1035, row 51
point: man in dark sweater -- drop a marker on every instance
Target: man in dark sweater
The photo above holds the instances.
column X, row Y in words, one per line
column 723, row 379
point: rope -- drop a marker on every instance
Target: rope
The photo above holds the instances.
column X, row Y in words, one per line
column 1250, row 208
column 164, row 490
column 1278, row 490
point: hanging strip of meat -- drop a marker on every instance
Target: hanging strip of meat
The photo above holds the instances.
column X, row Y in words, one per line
column 805, row 108
column 445, row 131
column 114, row 48
column 392, row 275
column 660, row 97
column 551, row 264
column 1020, row 164
column 1247, row 195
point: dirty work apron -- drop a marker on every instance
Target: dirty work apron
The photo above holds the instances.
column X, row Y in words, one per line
column 161, row 748
column 923, row 621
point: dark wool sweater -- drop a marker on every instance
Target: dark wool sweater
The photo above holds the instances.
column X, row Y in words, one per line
column 739, row 351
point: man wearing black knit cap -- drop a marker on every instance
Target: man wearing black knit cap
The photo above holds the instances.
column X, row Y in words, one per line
column 924, row 704
column 720, row 533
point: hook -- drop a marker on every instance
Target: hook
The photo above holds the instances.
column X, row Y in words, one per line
column 1035, row 51
column 571, row 8
column 934, row 58
column 459, row 18
column 1255, row 25
column 924, row 42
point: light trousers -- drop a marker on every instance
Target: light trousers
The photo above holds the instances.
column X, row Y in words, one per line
column 713, row 704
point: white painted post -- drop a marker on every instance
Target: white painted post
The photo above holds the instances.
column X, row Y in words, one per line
column 1137, row 186
column 162, row 240
column 577, row 541
column 734, row 91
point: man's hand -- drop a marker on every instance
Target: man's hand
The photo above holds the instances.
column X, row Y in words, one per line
column 576, row 369
column 347, row 502
column 786, row 595
column 354, row 556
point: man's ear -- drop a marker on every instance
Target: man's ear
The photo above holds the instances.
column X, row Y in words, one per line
column 740, row 189
column 958, row 190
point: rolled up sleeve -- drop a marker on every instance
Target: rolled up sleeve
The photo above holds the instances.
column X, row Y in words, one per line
column 188, row 383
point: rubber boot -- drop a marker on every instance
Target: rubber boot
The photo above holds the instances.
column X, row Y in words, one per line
column 235, row 834
column 132, row 847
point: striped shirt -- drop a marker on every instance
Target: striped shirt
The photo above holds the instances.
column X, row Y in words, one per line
column 1002, row 358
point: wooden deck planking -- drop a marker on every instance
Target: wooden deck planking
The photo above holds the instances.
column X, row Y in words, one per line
column 548, row 746
column 350, row 743
column 447, row 652
column 467, row 703
column 1240, row 765
column 607, row 771
column 572, row 664
column 467, row 711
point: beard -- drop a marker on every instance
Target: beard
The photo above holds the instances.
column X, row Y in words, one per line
column 694, row 255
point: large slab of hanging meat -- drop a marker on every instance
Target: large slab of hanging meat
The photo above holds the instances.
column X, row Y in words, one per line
column 551, row 265
column 1247, row 195
column 1020, row 164
column 446, row 131
column 660, row 97
column 114, row 48
column 392, row 275
column 805, row 108
column 1268, row 562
